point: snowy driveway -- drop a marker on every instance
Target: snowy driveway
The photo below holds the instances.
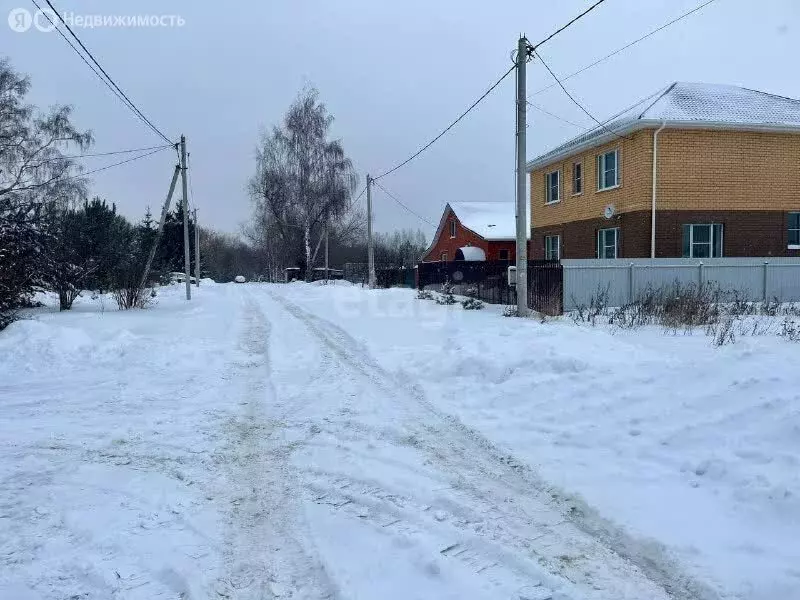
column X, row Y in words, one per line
column 259, row 443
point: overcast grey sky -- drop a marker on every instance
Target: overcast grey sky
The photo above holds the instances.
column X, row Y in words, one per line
column 392, row 73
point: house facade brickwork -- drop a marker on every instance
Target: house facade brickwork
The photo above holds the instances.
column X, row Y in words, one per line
column 744, row 179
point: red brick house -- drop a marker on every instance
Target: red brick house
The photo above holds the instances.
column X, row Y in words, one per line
column 488, row 226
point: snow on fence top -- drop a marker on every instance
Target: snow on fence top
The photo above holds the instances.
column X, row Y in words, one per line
column 690, row 105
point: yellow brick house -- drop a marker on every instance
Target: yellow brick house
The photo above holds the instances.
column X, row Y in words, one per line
column 696, row 170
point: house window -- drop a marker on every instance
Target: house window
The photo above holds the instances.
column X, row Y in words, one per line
column 504, row 254
column 577, row 178
column 552, row 247
column 608, row 170
column 444, row 256
column 452, row 229
column 552, row 185
column 702, row 241
column 794, row 230
column 608, row 243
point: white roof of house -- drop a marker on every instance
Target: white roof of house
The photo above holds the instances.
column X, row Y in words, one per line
column 690, row 105
column 490, row 220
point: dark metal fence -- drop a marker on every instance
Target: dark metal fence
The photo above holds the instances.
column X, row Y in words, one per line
column 386, row 276
column 490, row 280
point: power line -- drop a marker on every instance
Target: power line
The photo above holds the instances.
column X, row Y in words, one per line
column 563, row 27
column 547, row 112
column 626, row 46
column 129, row 151
column 578, row 104
column 130, row 103
column 396, row 199
column 122, row 162
column 446, row 129
column 78, row 52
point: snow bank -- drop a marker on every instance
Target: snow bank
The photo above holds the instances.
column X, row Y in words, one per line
column 109, row 422
column 673, row 440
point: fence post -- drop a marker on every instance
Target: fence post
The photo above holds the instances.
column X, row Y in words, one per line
column 700, row 273
column 631, row 285
column 766, row 265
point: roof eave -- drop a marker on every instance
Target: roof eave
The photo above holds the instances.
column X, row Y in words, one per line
column 540, row 162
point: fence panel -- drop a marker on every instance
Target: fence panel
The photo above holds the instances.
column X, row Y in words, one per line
column 755, row 279
column 489, row 279
column 386, row 276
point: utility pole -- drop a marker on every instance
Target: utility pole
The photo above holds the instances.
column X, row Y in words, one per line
column 196, row 250
column 164, row 211
column 522, row 199
column 186, row 255
column 326, row 250
column 370, row 247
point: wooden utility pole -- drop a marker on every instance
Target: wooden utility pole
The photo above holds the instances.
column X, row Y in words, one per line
column 522, row 200
column 186, row 255
column 370, row 247
column 196, row 250
column 159, row 233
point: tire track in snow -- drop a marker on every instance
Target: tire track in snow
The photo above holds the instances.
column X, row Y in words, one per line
column 579, row 546
column 264, row 558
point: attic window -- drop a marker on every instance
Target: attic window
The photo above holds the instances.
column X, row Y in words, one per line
column 452, row 229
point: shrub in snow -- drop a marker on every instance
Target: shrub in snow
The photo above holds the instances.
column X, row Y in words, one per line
column 424, row 295
column 510, row 311
column 472, row 304
column 723, row 332
column 447, row 296
column 790, row 330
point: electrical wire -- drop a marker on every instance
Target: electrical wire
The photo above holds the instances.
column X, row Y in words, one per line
column 565, row 26
column 578, row 104
column 122, row 162
column 547, row 112
column 78, row 52
column 96, row 154
column 129, row 103
column 446, row 129
column 393, row 197
column 625, row 47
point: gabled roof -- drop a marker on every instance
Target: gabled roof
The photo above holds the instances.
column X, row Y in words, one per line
column 690, row 105
column 490, row 220
column 493, row 221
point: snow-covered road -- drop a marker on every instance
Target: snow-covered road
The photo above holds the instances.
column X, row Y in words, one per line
column 264, row 442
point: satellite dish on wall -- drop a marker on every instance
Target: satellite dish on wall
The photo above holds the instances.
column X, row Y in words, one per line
column 609, row 211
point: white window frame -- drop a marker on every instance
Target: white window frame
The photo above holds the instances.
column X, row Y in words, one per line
column 711, row 241
column 792, row 246
column 600, row 163
column 548, row 188
column 577, row 164
column 548, row 249
column 452, row 228
column 443, row 257
column 601, row 235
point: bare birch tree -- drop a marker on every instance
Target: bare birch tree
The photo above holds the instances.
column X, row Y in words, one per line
column 303, row 180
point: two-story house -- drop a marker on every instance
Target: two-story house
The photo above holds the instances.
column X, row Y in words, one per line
column 695, row 170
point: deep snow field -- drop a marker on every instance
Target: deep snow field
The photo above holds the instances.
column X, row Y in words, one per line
column 313, row 441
